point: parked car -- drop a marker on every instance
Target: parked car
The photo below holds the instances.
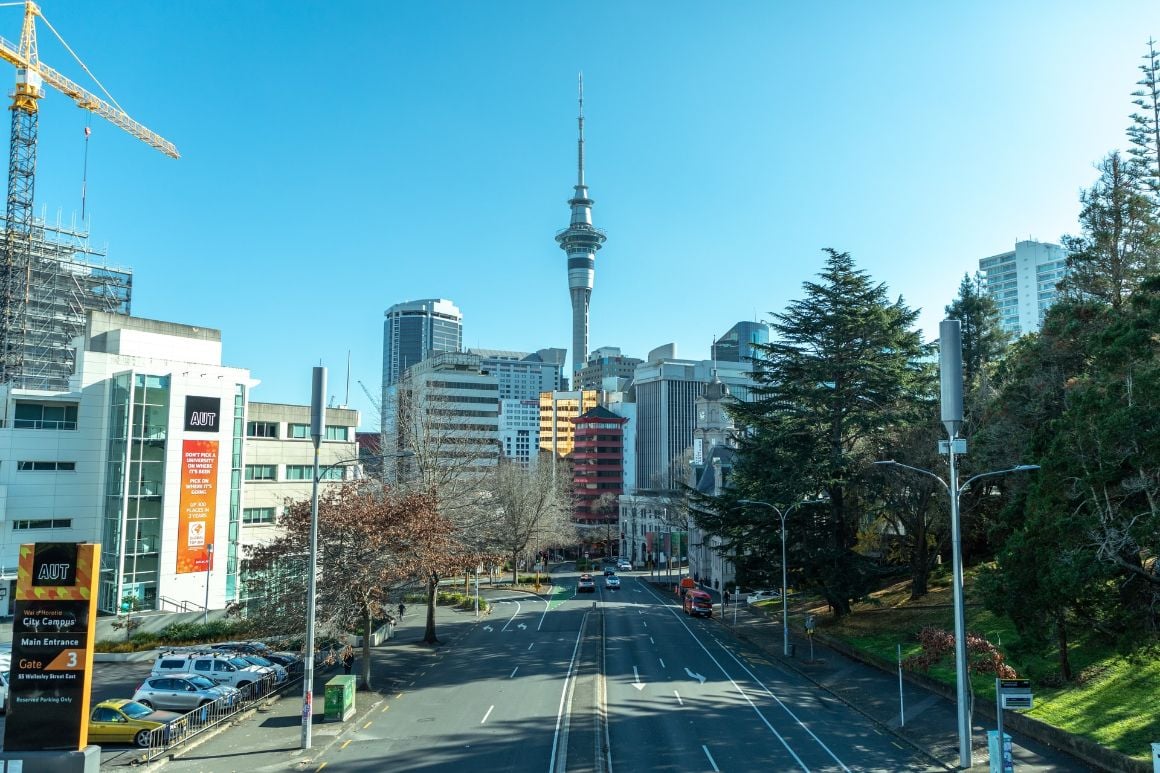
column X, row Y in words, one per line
column 612, row 582
column 280, row 672
column 219, row 666
column 124, row 721
column 585, row 584
column 762, row 595
column 3, row 692
column 624, row 565
column 181, row 692
column 698, row 602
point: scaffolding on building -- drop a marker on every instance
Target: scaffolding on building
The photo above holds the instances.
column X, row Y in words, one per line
column 62, row 277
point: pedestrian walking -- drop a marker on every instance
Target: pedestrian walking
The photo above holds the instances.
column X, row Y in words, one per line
column 347, row 659
column 402, row 609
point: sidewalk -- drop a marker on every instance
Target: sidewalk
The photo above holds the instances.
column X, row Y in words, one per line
column 930, row 719
column 271, row 739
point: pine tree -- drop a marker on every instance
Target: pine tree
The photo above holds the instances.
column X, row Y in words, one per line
column 840, row 372
column 1144, row 131
column 983, row 339
column 1120, row 243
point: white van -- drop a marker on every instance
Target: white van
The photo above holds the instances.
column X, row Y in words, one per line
column 222, row 668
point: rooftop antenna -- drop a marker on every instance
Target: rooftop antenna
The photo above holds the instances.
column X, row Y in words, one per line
column 580, row 120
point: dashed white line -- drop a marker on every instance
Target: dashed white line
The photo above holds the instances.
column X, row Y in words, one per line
column 650, row 640
column 517, row 668
column 678, row 697
column 488, row 714
column 533, row 644
column 662, row 660
column 711, row 760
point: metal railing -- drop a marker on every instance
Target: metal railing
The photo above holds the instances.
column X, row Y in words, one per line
column 191, row 725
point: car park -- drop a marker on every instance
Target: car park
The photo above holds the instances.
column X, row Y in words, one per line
column 125, row 721
column 762, row 595
column 181, row 692
column 698, row 602
column 221, row 667
column 279, row 671
column 585, row 584
column 612, row 582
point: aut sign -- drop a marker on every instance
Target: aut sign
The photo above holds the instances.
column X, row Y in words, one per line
column 52, row 656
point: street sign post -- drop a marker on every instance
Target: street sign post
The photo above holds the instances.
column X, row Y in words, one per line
column 1009, row 694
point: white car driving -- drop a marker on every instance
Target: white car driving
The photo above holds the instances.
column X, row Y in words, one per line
column 762, row 595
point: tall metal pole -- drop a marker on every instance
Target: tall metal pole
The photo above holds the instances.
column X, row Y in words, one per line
column 784, row 584
column 317, row 429
column 208, row 569
column 951, row 406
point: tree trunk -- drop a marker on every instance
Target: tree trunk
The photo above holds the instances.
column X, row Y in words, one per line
column 432, row 593
column 919, row 565
column 1061, row 633
column 366, row 649
column 515, row 568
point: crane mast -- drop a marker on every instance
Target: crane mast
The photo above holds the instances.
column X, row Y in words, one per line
column 16, row 262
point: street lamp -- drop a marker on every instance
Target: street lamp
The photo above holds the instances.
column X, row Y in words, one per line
column 964, row 719
column 784, row 600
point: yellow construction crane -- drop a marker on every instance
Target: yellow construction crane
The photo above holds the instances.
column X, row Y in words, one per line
column 31, row 77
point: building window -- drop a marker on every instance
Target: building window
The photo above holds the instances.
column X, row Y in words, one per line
column 262, row 429
column 261, row 472
column 46, row 523
column 46, row 466
column 45, row 416
column 257, row 515
column 298, row 431
column 306, row 472
column 336, row 433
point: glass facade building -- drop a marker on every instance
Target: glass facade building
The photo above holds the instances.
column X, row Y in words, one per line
column 415, row 330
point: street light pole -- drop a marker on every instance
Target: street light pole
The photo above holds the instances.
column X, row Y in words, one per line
column 317, row 429
column 955, row 491
column 784, row 574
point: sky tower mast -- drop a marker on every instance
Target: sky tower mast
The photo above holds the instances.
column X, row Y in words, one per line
column 580, row 240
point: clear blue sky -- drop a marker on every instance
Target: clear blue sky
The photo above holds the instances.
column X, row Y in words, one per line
column 341, row 157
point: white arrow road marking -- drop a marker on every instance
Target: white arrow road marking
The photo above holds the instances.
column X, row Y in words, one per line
column 522, row 627
column 692, row 675
column 636, row 679
column 513, row 617
column 488, row 628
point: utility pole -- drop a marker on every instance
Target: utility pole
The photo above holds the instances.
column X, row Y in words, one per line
column 317, row 430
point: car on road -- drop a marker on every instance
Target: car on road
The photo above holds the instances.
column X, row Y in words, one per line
column 762, row 595
column 125, row 721
column 585, row 584
column 609, row 570
column 612, row 582
column 698, row 602
column 181, row 692
column 624, row 565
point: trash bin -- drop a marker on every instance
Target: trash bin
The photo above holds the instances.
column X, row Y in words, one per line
column 340, row 698
column 1000, row 758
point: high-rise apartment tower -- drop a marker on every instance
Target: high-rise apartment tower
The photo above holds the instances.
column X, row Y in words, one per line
column 580, row 240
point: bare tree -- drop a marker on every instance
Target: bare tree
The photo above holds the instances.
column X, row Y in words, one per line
column 528, row 511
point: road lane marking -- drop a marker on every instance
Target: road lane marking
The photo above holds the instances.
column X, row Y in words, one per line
column 533, row 644
column 345, row 744
column 384, row 711
column 513, row 617
column 662, row 660
column 711, row 760
column 559, row 765
column 636, row 679
column 747, row 699
column 517, row 668
column 651, row 640
column 368, row 724
column 488, row 714
column 694, row 675
column 400, row 695
column 644, row 623
column 678, row 697
column 320, row 767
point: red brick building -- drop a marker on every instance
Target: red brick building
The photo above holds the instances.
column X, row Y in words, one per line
column 598, row 465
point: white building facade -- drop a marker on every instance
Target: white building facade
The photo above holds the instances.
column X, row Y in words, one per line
column 1023, row 282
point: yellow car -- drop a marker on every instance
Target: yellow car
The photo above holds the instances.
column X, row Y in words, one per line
column 125, row 721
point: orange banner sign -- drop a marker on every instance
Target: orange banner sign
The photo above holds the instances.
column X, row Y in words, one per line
column 199, row 461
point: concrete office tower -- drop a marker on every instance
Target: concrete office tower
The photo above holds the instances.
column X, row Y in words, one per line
column 1022, row 282
column 414, row 330
column 580, row 240
column 606, row 362
column 738, row 345
column 523, row 375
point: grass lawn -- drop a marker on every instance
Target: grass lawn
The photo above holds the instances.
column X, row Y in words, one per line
column 1113, row 701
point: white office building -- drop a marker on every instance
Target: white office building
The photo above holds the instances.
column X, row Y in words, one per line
column 1023, row 283
column 519, row 430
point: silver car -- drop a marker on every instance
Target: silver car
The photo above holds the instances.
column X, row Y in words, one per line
column 182, row 692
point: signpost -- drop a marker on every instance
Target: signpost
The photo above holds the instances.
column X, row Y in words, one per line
column 1009, row 694
column 52, row 655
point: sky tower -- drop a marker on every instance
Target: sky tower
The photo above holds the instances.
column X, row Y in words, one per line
column 580, row 240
